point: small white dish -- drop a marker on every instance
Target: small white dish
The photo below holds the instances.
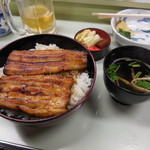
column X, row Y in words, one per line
column 139, row 26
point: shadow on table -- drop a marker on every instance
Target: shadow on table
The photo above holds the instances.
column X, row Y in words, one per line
column 59, row 136
column 102, row 105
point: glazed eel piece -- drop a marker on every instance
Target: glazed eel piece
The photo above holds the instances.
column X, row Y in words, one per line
column 44, row 62
column 39, row 95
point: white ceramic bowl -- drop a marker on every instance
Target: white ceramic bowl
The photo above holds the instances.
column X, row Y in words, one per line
column 140, row 27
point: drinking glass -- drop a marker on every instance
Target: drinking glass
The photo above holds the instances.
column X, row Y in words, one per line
column 37, row 16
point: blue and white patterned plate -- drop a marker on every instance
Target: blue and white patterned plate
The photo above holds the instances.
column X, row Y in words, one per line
column 140, row 27
column 4, row 29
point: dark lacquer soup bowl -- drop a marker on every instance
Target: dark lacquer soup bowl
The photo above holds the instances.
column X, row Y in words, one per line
column 29, row 42
column 127, row 74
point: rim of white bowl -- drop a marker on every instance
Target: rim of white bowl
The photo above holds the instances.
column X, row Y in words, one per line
column 114, row 29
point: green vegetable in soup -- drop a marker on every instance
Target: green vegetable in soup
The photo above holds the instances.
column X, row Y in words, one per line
column 112, row 72
column 144, row 84
column 137, row 75
column 134, row 64
column 131, row 74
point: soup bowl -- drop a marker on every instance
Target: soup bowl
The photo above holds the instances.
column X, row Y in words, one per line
column 118, row 93
column 29, row 42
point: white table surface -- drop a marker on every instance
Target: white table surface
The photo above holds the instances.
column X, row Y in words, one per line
column 100, row 124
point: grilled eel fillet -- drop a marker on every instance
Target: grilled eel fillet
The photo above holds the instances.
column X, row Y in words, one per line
column 44, row 62
column 39, row 95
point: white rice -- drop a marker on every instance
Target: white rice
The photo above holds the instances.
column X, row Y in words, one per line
column 79, row 89
column 46, row 47
column 81, row 86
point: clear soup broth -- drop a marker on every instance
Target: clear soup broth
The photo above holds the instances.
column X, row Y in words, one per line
column 124, row 70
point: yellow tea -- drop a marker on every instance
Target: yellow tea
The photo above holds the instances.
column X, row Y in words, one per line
column 38, row 18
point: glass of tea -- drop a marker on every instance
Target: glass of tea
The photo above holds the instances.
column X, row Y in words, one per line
column 37, row 16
